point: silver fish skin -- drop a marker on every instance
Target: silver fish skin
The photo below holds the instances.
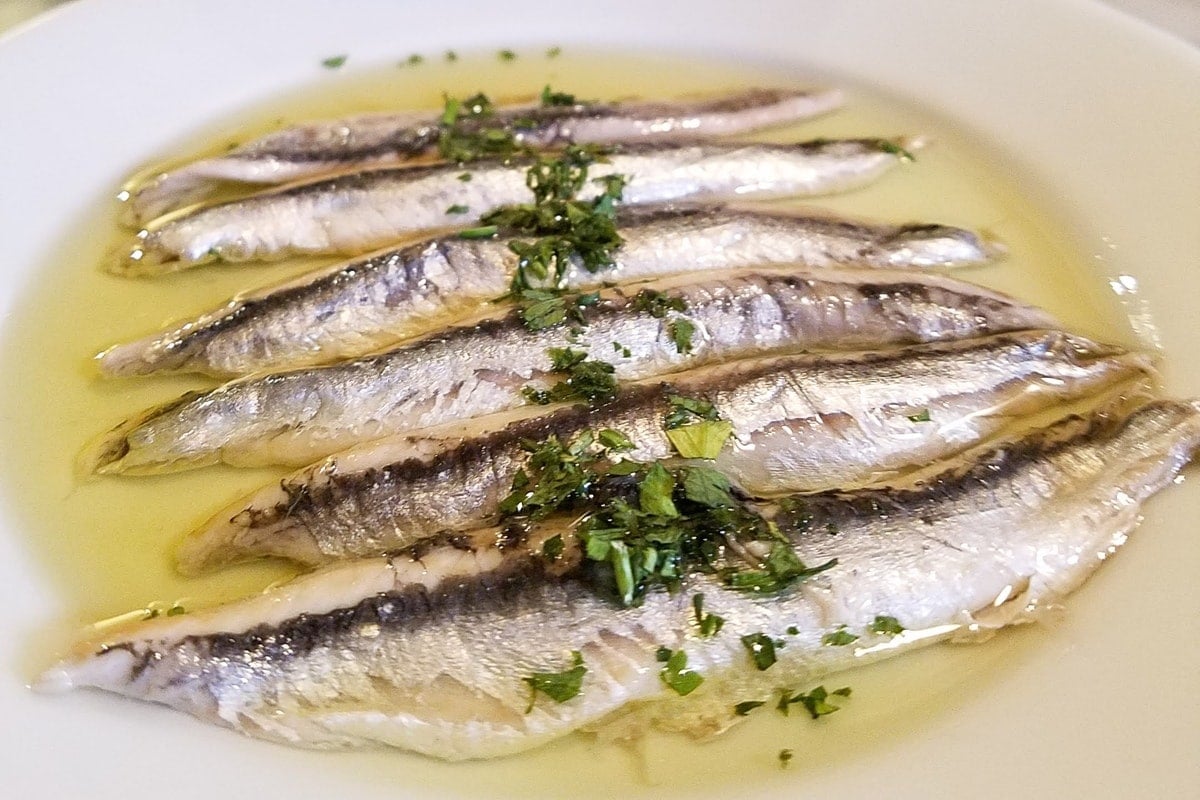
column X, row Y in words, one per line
column 427, row 651
column 800, row 423
column 297, row 417
column 367, row 304
column 313, row 149
column 362, row 211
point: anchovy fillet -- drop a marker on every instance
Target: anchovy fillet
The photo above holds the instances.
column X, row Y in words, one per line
column 365, row 210
column 313, row 149
column 367, row 304
column 297, row 417
column 799, row 423
column 426, row 651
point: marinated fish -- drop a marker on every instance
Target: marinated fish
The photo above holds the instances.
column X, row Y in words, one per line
column 357, row 308
column 312, row 149
column 431, row 651
column 296, row 417
column 358, row 212
column 799, row 423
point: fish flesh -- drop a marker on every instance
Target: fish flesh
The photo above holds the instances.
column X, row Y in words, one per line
column 428, row 651
column 367, row 304
column 297, row 417
column 358, row 212
column 312, row 149
column 799, row 423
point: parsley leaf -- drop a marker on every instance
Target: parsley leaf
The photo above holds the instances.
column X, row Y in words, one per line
column 920, row 416
column 839, row 638
column 707, row 487
column 334, row 62
column 781, row 568
column 746, row 706
column 785, row 756
column 816, row 702
column 702, row 439
column 676, row 674
column 558, row 686
column 588, row 380
column 888, row 625
column 551, row 98
column 681, row 331
column 709, row 624
column 654, row 492
column 656, row 303
column 761, row 648
column 686, row 410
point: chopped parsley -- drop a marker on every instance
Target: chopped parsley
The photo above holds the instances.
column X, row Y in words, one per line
column 708, row 623
column 761, row 649
column 588, row 380
column 816, row 702
column 175, row 610
column 334, row 62
column 552, row 548
column 648, row 525
column 746, row 706
column 565, row 227
column 785, row 756
column 687, row 410
column 895, row 149
column 702, row 439
column 414, row 59
column 480, row 232
column 920, row 416
column 544, row 308
column 886, row 624
column 457, row 209
column 554, row 52
column 558, row 686
column 656, row 303
column 781, row 568
column 470, row 131
column 551, row 98
column 681, row 331
column 507, row 55
column 451, row 56
column 676, row 674
column 614, row 440
column 839, row 638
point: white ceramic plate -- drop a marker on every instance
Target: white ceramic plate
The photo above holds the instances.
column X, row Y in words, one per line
column 1084, row 105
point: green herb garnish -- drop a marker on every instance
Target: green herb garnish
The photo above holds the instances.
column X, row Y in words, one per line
column 676, row 674
column 481, row 232
column 886, row 624
column 507, row 55
column 839, row 638
column 702, row 439
column 746, row 706
column 920, row 416
column 681, row 331
column 451, row 56
column 415, row 59
column 552, row 548
column 686, row 410
column 457, row 209
column 656, row 303
column 708, row 623
column 781, row 568
column 785, row 756
column 554, row 52
column 552, row 98
column 816, row 702
column 588, row 380
column 761, row 649
column 895, row 149
column 558, row 686
column 334, row 62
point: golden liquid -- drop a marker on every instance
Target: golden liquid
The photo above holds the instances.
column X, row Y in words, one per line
column 105, row 544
